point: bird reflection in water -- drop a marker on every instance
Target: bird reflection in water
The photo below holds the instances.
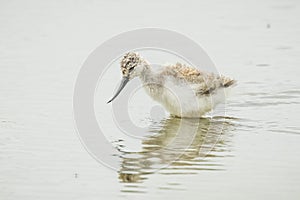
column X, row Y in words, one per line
column 178, row 146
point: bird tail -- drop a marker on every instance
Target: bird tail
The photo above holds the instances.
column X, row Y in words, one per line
column 229, row 82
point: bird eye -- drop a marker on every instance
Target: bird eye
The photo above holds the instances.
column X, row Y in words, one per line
column 131, row 69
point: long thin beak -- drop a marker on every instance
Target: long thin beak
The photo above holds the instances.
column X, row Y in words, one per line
column 122, row 85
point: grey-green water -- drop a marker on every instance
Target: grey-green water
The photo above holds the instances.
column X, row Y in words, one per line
column 42, row 47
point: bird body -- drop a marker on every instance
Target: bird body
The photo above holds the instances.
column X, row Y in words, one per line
column 182, row 90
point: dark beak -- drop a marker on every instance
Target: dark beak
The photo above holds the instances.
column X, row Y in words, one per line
column 122, row 85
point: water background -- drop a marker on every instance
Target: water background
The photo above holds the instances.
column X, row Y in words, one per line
column 42, row 47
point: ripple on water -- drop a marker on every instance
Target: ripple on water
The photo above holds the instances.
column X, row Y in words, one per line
column 263, row 99
column 262, row 65
column 269, row 108
column 179, row 147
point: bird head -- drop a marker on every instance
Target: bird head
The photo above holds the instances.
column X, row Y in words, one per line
column 132, row 66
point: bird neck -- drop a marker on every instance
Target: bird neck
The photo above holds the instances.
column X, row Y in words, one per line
column 146, row 72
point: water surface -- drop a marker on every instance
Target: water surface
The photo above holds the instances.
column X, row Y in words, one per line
column 257, row 156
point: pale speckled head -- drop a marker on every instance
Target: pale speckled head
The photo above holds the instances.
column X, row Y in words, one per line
column 132, row 66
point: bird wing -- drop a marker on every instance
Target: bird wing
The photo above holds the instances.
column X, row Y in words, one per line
column 204, row 82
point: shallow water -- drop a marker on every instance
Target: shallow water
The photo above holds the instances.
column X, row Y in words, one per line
column 257, row 156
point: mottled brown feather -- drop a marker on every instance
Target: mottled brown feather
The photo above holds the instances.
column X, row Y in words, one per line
column 208, row 82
